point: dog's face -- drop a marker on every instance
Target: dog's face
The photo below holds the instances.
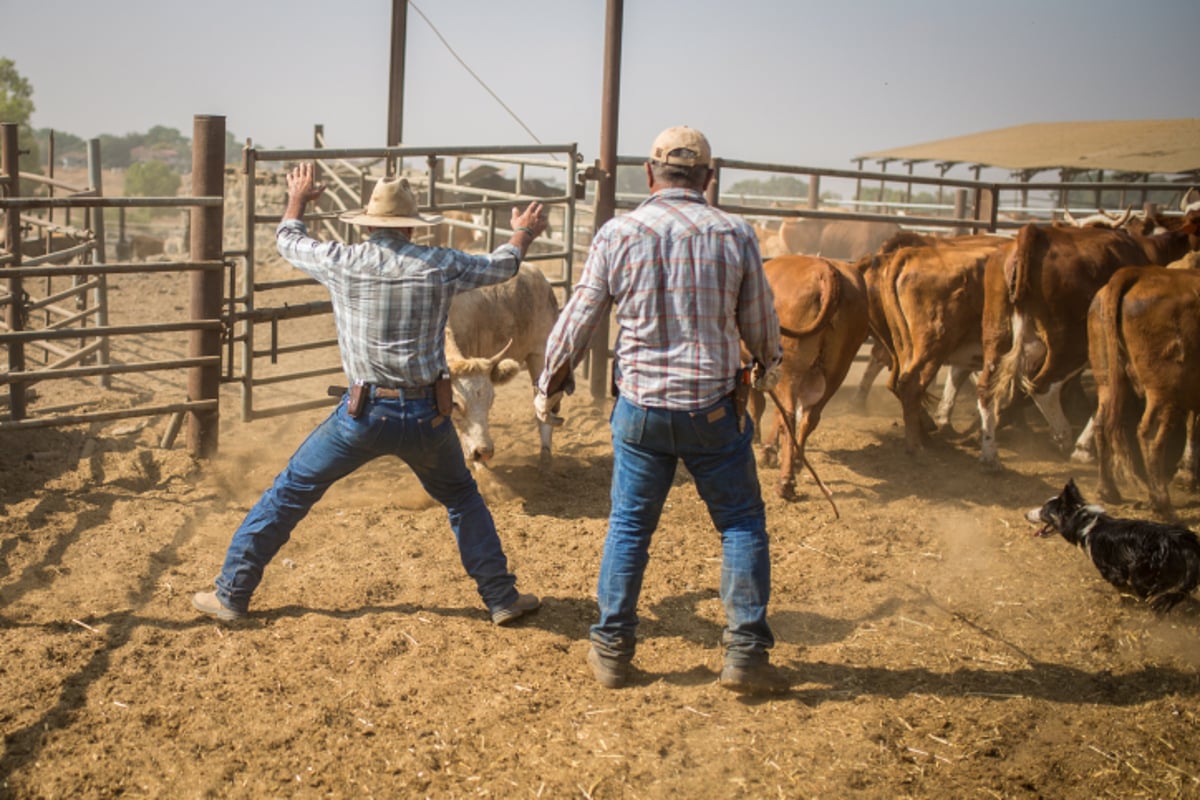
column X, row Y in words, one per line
column 1056, row 514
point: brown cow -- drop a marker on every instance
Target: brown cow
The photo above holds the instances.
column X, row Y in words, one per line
column 1036, row 297
column 1054, row 323
column 1144, row 342
column 822, row 307
column 842, row 239
column 926, row 295
column 850, row 239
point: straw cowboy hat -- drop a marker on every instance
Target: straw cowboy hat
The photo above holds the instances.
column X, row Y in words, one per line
column 393, row 204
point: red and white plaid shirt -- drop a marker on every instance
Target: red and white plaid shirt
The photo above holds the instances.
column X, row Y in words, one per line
column 686, row 282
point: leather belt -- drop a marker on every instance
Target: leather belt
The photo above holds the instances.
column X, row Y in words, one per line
column 417, row 393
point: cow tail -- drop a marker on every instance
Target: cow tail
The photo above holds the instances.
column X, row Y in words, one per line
column 1009, row 366
column 1017, row 281
column 1017, row 266
column 1116, row 429
column 889, row 302
column 831, row 298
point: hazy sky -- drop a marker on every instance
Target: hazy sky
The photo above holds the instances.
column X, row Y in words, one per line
column 782, row 81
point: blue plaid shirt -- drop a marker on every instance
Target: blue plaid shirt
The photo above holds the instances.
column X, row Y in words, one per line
column 687, row 283
column 391, row 298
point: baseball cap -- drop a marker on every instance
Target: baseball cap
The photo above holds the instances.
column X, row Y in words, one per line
column 681, row 137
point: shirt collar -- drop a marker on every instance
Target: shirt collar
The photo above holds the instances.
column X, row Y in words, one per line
column 676, row 194
column 388, row 234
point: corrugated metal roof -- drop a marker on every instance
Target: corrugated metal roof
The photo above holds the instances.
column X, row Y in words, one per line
column 1164, row 146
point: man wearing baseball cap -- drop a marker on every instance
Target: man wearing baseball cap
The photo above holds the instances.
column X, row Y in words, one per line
column 391, row 298
column 686, row 282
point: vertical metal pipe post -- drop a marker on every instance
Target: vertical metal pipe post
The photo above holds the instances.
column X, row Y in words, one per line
column 204, row 383
column 606, row 188
column 960, row 209
column 246, row 290
column 100, row 292
column 395, row 130
column 15, row 313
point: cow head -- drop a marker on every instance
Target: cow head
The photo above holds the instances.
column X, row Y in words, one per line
column 474, row 381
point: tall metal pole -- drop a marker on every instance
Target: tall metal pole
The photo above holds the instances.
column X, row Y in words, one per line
column 15, row 312
column 204, row 383
column 100, row 293
column 395, row 131
column 606, row 187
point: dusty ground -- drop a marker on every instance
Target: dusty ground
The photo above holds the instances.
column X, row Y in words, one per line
column 934, row 648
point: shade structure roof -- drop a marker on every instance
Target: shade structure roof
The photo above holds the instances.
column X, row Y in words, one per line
column 1161, row 146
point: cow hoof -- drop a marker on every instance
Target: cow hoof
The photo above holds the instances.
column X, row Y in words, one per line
column 1082, row 456
column 990, row 465
column 787, row 491
column 770, row 457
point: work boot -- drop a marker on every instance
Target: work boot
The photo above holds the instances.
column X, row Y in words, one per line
column 612, row 673
column 524, row 604
column 209, row 603
column 756, row 677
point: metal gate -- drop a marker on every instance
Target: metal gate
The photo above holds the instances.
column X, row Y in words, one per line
column 283, row 347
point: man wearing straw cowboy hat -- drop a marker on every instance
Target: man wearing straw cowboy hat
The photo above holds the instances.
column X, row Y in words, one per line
column 390, row 302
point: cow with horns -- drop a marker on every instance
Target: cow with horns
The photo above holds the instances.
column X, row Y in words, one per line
column 491, row 333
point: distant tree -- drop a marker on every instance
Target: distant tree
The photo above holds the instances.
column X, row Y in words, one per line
column 871, row 194
column 233, row 148
column 151, row 179
column 775, row 186
column 16, row 106
column 64, row 143
column 116, row 151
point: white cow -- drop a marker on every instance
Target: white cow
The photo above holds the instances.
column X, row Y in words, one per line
column 491, row 332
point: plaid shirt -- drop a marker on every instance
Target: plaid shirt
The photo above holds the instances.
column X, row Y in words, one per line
column 686, row 281
column 391, row 298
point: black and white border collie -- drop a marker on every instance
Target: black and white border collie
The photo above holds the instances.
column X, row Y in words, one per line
column 1159, row 563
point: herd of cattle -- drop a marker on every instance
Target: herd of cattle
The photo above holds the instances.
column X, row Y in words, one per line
column 1025, row 314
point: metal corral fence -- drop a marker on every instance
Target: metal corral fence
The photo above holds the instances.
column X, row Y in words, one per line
column 64, row 333
column 69, row 344
column 975, row 205
column 282, row 332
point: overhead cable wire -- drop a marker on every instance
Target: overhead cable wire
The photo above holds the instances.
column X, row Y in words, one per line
column 478, row 79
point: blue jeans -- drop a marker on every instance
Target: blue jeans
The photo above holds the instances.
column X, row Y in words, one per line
column 410, row 429
column 647, row 445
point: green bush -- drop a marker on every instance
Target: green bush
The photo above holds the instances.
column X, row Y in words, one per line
column 151, row 179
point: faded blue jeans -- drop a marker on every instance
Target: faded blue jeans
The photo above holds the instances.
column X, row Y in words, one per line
column 648, row 443
column 410, row 429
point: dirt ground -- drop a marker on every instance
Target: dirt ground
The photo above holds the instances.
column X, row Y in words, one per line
column 933, row 646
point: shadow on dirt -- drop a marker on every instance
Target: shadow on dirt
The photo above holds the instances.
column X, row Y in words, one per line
column 943, row 473
column 1039, row 681
column 30, row 458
